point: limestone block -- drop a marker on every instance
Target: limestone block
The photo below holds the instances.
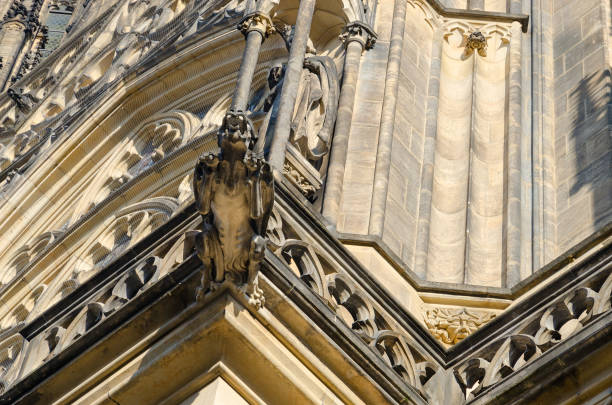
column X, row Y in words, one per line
column 217, row 392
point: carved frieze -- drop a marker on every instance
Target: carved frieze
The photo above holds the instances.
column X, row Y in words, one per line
column 297, row 179
column 16, row 12
column 451, row 325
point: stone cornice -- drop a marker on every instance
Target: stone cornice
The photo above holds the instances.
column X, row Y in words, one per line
column 602, row 236
column 447, row 12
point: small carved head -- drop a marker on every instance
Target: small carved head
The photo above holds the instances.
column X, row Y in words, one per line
column 236, row 135
column 477, row 42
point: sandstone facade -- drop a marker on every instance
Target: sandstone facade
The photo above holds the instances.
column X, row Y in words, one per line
column 305, row 201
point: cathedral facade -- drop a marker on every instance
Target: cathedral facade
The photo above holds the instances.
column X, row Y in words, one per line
column 305, row 202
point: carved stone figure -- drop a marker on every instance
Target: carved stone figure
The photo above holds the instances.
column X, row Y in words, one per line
column 234, row 192
column 315, row 109
column 314, row 114
column 476, row 42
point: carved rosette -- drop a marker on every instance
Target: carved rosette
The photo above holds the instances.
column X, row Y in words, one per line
column 451, row 325
column 256, row 22
column 234, row 193
column 360, row 32
column 476, row 42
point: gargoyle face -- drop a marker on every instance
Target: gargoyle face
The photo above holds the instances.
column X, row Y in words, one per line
column 236, row 135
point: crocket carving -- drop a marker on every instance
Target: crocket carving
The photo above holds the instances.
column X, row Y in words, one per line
column 234, row 193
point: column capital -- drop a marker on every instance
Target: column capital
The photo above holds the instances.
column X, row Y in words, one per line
column 256, row 22
column 360, row 32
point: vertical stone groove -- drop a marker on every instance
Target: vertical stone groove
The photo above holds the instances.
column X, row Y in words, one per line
column 385, row 138
column 422, row 240
column 337, row 163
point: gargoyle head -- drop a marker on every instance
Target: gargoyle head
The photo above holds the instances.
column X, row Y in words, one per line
column 236, row 136
column 477, row 42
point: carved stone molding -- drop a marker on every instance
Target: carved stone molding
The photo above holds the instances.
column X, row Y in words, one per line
column 451, row 325
column 360, row 32
column 257, row 22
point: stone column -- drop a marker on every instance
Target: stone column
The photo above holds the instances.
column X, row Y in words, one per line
column 288, row 95
column 513, row 210
column 356, row 37
column 446, row 247
column 387, row 120
column 486, row 189
column 420, row 260
column 255, row 27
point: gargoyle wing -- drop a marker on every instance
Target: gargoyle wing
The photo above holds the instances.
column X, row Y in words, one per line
column 203, row 182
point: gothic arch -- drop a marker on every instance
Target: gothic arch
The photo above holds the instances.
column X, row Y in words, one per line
column 149, row 143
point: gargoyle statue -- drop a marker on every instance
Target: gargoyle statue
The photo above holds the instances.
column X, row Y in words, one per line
column 234, row 193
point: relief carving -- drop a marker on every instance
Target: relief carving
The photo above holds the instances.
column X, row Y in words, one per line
column 234, row 9
column 297, row 179
column 451, row 325
column 234, row 192
column 476, row 42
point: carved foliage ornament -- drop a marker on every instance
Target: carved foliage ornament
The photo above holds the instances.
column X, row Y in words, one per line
column 256, row 22
column 451, row 325
column 234, row 193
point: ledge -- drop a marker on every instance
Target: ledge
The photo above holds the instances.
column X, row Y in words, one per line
column 602, row 236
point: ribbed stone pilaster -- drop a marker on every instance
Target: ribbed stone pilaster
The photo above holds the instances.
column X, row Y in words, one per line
column 385, row 137
column 356, row 37
column 420, row 266
column 446, row 248
column 513, row 201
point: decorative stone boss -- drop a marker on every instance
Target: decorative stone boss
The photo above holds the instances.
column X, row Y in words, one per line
column 234, row 193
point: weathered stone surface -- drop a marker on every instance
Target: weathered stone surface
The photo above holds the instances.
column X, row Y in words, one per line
column 467, row 149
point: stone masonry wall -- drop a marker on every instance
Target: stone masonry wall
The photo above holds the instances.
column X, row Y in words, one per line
column 408, row 136
column 361, row 157
column 583, row 119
